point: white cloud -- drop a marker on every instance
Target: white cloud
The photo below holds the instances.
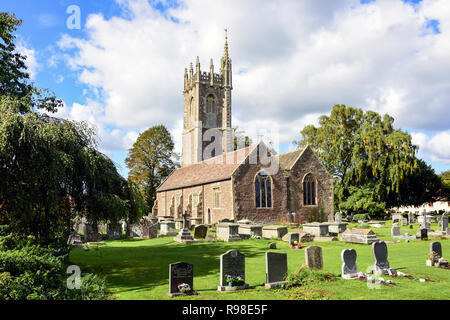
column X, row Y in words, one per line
column 292, row 61
column 31, row 61
column 436, row 148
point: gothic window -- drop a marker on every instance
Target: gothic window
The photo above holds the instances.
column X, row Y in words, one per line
column 217, row 198
column 210, row 104
column 309, row 190
column 263, row 191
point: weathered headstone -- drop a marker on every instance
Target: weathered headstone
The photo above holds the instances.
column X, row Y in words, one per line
column 232, row 263
column 114, row 231
column 444, row 222
column 250, row 229
column 200, row 231
column 349, row 267
column 272, row 245
column 228, row 232
column 302, row 236
column 149, row 230
column 313, row 257
column 74, row 240
column 272, row 232
column 380, row 255
column 291, row 237
column 179, row 273
column 338, row 217
column 436, row 258
column 276, row 269
column 317, row 229
column 359, row 235
column 167, row 228
column 90, row 232
column 135, row 230
column 396, row 231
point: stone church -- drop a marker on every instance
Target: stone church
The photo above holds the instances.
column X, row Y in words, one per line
column 216, row 182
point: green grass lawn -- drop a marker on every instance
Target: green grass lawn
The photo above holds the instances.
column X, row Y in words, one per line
column 139, row 269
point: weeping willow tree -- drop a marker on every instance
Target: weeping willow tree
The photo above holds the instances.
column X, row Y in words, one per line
column 372, row 162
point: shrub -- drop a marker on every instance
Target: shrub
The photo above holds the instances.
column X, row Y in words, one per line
column 361, row 216
column 304, row 276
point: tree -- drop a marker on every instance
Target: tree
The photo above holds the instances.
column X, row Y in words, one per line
column 14, row 78
column 363, row 150
column 151, row 160
column 240, row 140
column 51, row 172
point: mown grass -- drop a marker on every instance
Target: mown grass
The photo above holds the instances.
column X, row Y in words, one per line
column 138, row 269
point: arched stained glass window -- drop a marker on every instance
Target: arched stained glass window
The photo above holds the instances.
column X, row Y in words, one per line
column 263, row 191
column 309, row 190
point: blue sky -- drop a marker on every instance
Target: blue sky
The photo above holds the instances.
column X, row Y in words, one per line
column 84, row 67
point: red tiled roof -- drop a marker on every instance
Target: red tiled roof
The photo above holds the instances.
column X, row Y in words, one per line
column 215, row 169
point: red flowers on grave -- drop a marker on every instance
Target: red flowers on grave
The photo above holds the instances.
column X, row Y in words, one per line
column 296, row 245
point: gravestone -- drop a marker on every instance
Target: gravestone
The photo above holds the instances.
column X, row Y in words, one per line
column 313, row 257
column 291, row 237
column 272, row 245
column 302, row 236
column 404, row 222
column 436, row 258
column 231, row 263
column 74, row 240
column 338, row 218
column 359, row 235
column 380, row 255
column 179, row 273
column 436, row 247
column 411, row 217
column 349, row 267
column 444, row 222
column 90, row 231
column 250, row 230
column 228, row 232
column 423, row 233
column 271, row 232
column 317, row 229
column 134, row 230
column 167, row 228
column 276, row 269
column 200, row 231
column 114, row 231
column 396, row 231
column 149, row 230
column 184, row 236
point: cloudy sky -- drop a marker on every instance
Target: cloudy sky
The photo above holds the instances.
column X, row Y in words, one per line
column 122, row 70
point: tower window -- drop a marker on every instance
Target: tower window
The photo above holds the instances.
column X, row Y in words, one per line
column 263, row 191
column 309, row 190
column 210, row 104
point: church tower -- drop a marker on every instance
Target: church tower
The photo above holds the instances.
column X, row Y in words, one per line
column 207, row 111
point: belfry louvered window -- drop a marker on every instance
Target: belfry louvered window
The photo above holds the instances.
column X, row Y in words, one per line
column 210, row 104
column 263, row 191
column 309, row 190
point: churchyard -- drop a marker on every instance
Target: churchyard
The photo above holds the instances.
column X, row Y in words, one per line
column 139, row 268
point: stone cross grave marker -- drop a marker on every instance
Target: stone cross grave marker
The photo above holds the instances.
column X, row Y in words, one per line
column 444, row 222
column 179, row 273
column 276, row 269
column 349, row 267
column 380, row 255
column 231, row 263
column 313, row 257
column 200, row 231
column 437, row 248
